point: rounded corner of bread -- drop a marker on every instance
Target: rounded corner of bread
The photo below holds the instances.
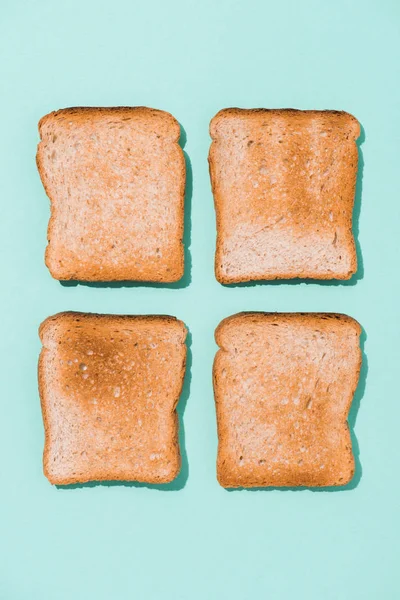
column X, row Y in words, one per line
column 47, row 324
column 341, row 319
column 217, row 338
column 64, row 316
column 217, row 119
column 351, row 473
column 53, row 265
column 350, row 273
column 220, row 329
column 43, row 328
column 345, row 476
column 354, row 123
column 223, row 484
column 43, row 121
column 219, row 272
column 50, row 479
column 222, row 479
column 352, row 259
column 174, row 469
column 221, row 278
column 183, row 328
column 165, row 476
column 227, row 327
column 178, row 326
column 176, row 271
column 176, row 127
column 228, row 477
column 52, row 476
column 354, row 323
column 57, row 275
column 170, row 122
column 218, row 114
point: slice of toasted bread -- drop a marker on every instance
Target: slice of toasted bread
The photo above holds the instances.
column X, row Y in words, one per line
column 283, row 388
column 109, row 386
column 284, row 186
column 116, row 182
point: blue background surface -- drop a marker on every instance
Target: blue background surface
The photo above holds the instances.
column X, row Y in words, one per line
column 199, row 541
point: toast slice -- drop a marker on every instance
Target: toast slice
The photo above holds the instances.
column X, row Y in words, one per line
column 283, row 387
column 116, row 182
column 284, row 185
column 109, row 386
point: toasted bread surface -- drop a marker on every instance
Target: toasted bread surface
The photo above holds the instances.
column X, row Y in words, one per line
column 283, row 387
column 109, row 386
column 115, row 178
column 284, row 186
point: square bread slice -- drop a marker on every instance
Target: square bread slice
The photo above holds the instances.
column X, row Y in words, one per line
column 283, row 387
column 284, row 185
column 116, row 182
column 109, row 386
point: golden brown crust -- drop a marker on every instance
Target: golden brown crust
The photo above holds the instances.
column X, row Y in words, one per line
column 284, row 184
column 115, row 178
column 283, row 386
column 109, row 386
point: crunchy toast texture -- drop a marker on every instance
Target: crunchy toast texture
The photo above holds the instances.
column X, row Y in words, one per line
column 283, row 387
column 115, row 178
column 284, row 186
column 109, row 386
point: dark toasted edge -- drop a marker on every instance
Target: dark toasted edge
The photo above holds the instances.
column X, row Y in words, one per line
column 97, row 110
column 48, row 322
column 341, row 317
column 106, row 317
column 53, row 212
column 245, row 315
column 248, row 485
column 310, row 275
column 61, row 482
column 235, row 111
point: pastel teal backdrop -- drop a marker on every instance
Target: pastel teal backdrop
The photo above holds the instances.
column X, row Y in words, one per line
column 196, row 541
